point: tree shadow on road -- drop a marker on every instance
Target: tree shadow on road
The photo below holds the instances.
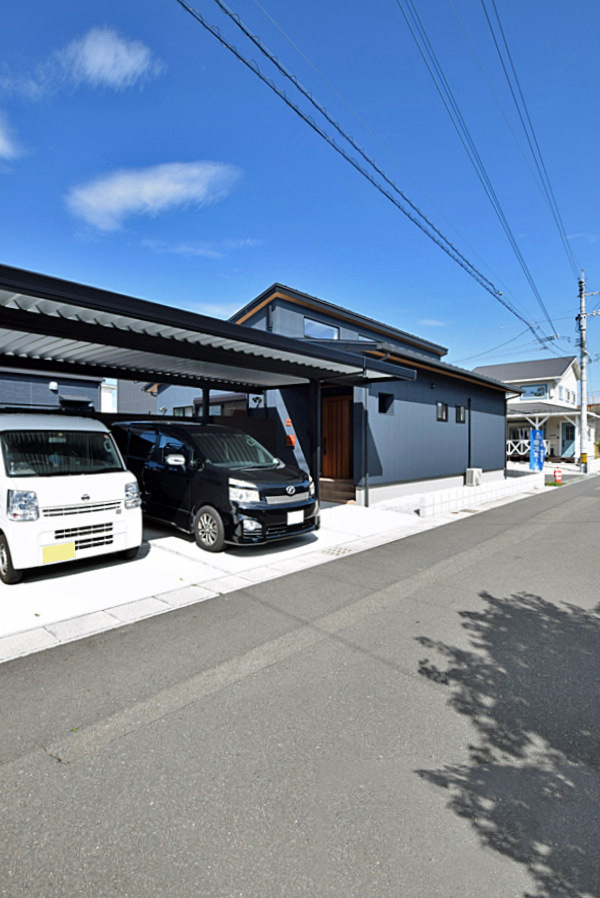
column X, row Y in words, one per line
column 531, row 687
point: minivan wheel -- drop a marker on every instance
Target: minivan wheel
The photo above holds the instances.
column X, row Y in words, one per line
column 8, row 574
column 128, row 554
column 209, row 529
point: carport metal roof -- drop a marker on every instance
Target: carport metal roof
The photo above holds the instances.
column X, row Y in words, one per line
column 72, row 328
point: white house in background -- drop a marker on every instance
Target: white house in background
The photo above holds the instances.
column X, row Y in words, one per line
column 548, row 401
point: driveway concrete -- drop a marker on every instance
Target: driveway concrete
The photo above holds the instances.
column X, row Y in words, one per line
column 67, row 602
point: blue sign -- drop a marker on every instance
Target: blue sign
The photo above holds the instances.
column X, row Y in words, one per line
column 537, row 450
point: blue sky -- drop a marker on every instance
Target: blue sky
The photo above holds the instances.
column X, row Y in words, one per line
column 138, row 155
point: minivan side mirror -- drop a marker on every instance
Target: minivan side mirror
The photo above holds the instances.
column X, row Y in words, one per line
column 175, row 460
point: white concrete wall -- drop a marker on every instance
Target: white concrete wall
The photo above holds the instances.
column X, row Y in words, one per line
column 392, row 491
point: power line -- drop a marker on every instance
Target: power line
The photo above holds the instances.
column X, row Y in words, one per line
column 527, row 125
column 419, row 34
column 386, row 150
column 321, row 109
column 413, row 213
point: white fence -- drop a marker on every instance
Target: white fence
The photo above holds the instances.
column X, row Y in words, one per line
column 521, row 447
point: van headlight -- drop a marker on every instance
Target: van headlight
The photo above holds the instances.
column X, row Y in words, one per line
column 22, row 505
column 311, row 487
column 133, row 498
column 240, row 491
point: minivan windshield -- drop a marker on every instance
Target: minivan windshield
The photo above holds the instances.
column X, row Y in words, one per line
column 234, row 449
column 52, row 453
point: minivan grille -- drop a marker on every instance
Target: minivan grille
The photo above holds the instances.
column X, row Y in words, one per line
column 274, row 530
column 287, row 500
column 86, row 537
column 55, row 511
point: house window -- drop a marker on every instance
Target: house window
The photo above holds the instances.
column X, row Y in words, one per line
column 534, row 391
column 183, row 411
column 317, row 330
column 560, row 392
column 386, row 404
column 442, row 411
column 461, row 414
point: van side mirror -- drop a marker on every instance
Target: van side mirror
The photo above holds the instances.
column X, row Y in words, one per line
column 176, row 461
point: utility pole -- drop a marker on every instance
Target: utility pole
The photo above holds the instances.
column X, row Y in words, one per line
column 583, row 365
column 582, row 324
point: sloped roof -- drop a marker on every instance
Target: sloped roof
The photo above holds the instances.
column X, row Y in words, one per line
column 525, row 409
column 377, row 328
column 512, row 372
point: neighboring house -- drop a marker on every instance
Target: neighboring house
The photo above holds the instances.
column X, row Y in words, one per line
column 135, row 398
column 420, row 430
column 46, row 390
column 548, row 402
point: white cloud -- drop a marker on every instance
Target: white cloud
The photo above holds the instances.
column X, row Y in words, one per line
column 9, row 148
column 106, row 202
column 432, row 322
column 209, row 249
column 103, row 58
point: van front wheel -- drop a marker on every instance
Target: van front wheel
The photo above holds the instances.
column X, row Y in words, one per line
column 209, row 529
column 8, row 574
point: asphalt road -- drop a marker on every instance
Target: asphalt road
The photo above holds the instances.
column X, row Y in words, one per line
column 417, row 720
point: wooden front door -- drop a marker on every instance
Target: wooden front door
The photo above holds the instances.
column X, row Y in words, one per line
column 336, row 454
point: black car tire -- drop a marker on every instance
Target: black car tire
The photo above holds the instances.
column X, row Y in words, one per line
column 209, row 529
column 128, row 554
column 8, row 574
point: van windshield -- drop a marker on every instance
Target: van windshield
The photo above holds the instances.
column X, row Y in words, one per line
column 234, row 450
column 52, row 453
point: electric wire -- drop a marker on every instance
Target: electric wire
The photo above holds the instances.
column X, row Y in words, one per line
column 413, row 213
column 494, row 95
column 386, row 150
column 527, row 125
column 321, row 109
column 435, row 69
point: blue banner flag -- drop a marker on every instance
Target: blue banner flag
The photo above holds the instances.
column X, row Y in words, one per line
column 537, row 450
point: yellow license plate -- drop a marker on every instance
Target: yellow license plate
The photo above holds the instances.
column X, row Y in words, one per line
column 62, row 552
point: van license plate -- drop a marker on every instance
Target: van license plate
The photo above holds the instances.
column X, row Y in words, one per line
column 62, row 552
column 295, row 517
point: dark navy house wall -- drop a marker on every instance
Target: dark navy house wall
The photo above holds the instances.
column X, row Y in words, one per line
column 408, row 442
column 288, row 320
column 28, row 390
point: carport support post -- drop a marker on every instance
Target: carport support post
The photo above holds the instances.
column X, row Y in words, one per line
column 205, row 404
column 315, row 426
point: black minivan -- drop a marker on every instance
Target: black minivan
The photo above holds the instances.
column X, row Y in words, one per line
column 218, row 483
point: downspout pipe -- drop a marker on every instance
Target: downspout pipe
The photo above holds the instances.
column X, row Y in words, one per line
column 469, row 458
column 366, row 443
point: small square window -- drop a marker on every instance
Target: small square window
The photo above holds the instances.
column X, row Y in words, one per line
column 442, row 411
column 386, row 404
column 461, row 414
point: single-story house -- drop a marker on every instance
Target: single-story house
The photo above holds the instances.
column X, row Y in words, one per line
column 393, row 437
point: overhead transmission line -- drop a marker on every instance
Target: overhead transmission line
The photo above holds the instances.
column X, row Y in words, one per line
column 434, row 67
column 525, row 119
column 381, row 143
column 392, row 194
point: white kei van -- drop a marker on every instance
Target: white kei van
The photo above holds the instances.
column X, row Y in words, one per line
column 65, row 493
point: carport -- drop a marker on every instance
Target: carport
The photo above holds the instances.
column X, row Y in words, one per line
column 48, row 323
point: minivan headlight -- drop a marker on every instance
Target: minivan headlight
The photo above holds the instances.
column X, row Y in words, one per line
column 22, row 505
column 133, row 498
column 240, row 491
column 311, row 486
